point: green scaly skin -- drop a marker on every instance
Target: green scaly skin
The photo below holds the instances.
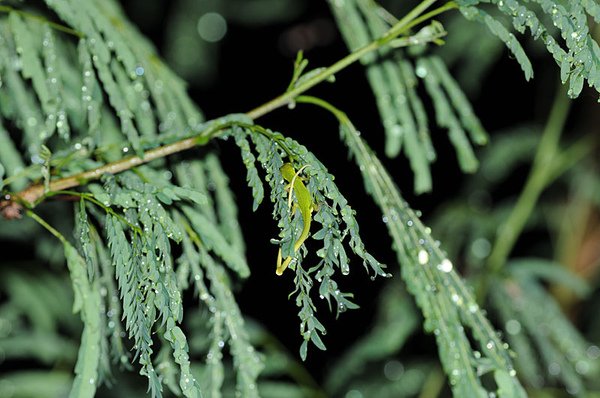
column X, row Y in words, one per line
column 306, row 206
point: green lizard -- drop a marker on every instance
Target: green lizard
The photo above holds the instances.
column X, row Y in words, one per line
column 304, row 202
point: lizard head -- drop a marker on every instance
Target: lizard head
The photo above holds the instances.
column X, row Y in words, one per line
column 287, row 171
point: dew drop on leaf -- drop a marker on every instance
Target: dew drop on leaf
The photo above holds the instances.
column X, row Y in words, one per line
column 593, row 352
column 554, row 369
column 423, row 257
column 445, row 265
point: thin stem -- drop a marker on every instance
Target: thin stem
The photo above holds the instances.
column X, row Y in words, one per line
column 340, row 115
column 53, row 25
column 30, row 196
column 286, row 98
column 572, row 155
column 538, row 179
column 446, row 7
column 433, row 384
column 44, row 224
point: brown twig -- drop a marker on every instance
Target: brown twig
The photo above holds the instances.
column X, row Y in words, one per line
column 12, row 205
column 10, row 209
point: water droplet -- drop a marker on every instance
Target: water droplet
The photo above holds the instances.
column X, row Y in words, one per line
column 212, row 27
column 456, row 299
column 385, row 219
column 553, row 368
column 593, row 352
column 512, row 373
column 490, row 345
column 125, row 149
column 139, row 70
column 481, row 248
column 445, row 265
column 423, row 257
column 352, row 393
column 221, row 343
column 421, row 71
column 513, row 326
column 393, row 370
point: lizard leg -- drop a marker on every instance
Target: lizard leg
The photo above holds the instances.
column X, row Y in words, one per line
column 282, row 266
column 290, row 187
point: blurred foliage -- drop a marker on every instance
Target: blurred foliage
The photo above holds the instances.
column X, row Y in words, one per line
column 196, row 29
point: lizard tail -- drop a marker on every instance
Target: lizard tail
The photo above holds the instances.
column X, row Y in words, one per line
column 303, row 236
column 282, row 266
